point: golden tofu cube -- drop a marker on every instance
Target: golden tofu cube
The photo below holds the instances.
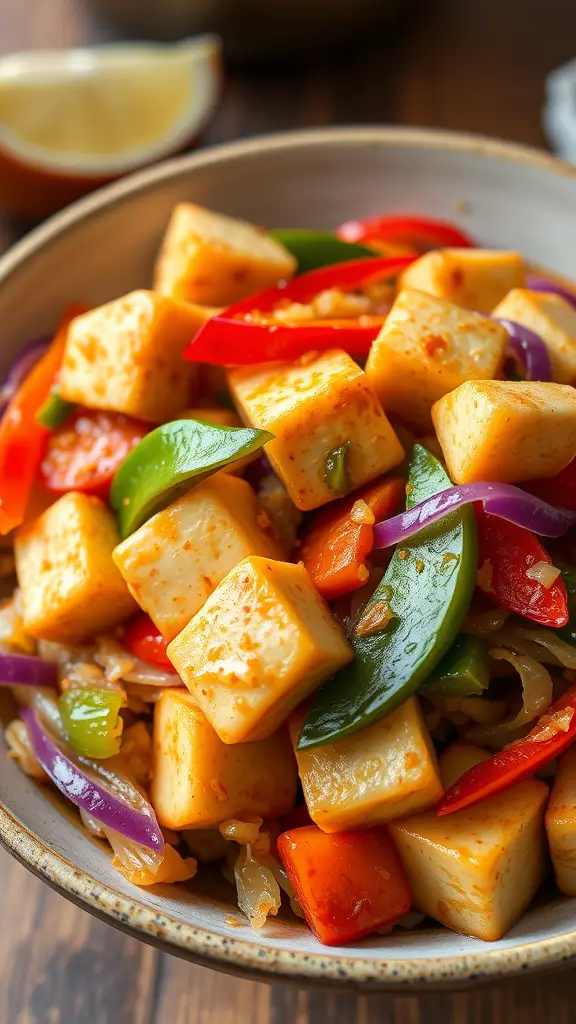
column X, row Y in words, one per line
column 198, row 781
column 476, row 870
column 70, row 586
column 216, row 260
column 474, row 278
column 554, row 319
column 262, row 642
column 314, row 407
column 561, row 823
column 383, row 771
column 127, row 356
column 506, row 430
column 427, row 347
column 178, row 557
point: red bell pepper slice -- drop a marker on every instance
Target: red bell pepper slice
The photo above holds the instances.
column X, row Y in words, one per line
column 347, row 883
column 22, row 438
column 422, row 232
column 557, row 490
column 242, row 334
column 334, row 547
column 505, row 552
column 144, row 640
column 555, row 731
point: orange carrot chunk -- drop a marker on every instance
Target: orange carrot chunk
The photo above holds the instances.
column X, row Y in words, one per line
column 347, row 883
column 338, row 541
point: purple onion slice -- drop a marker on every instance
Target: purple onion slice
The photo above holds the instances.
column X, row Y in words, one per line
column 528, row 349
column 24, row 670
column 503, row 500
column 81, row 790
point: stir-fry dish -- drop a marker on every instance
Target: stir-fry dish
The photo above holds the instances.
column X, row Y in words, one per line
column 293, row 536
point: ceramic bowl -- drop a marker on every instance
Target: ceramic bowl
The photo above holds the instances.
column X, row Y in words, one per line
column 103, row 246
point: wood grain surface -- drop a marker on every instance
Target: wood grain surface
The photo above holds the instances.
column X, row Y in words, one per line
column 461, row 64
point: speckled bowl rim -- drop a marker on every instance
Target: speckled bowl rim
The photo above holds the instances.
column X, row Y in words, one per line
column 199, row 944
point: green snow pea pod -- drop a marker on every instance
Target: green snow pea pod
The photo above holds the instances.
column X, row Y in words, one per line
column 170, row 460
column 464, row 671
column 314, row 249
column 410, row 622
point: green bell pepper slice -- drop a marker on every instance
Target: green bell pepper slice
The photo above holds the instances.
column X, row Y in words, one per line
column 314, row 249
column 421, row 602
column 170, row 460
column 55, row 411
column 91, row 719
column 463, row 672
column 336, row 473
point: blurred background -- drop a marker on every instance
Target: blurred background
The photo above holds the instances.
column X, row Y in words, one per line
column 460, row 64
column 475, row 65
column 82, row 118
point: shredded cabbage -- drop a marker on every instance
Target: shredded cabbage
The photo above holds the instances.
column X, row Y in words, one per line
column 258, row 891
column 18, row 739
column 537, row 696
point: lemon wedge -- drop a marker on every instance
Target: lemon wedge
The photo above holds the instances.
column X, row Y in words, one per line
column 90, row 115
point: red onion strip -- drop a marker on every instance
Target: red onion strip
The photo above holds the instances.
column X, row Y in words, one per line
column 503, row 500
column 82, row 791
column 23, row 670
column 25, row 361
column 528, row 348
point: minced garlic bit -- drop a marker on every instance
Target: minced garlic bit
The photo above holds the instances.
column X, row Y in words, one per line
column 362, row 513
column 419, row 565
column 376, row 616
column 363, row 573
column 550, row 725
column 544, row 573
column 334, row 303
column 484, row 575
column 293, row 311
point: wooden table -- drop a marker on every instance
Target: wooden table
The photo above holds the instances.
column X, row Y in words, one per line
column 464, row 64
